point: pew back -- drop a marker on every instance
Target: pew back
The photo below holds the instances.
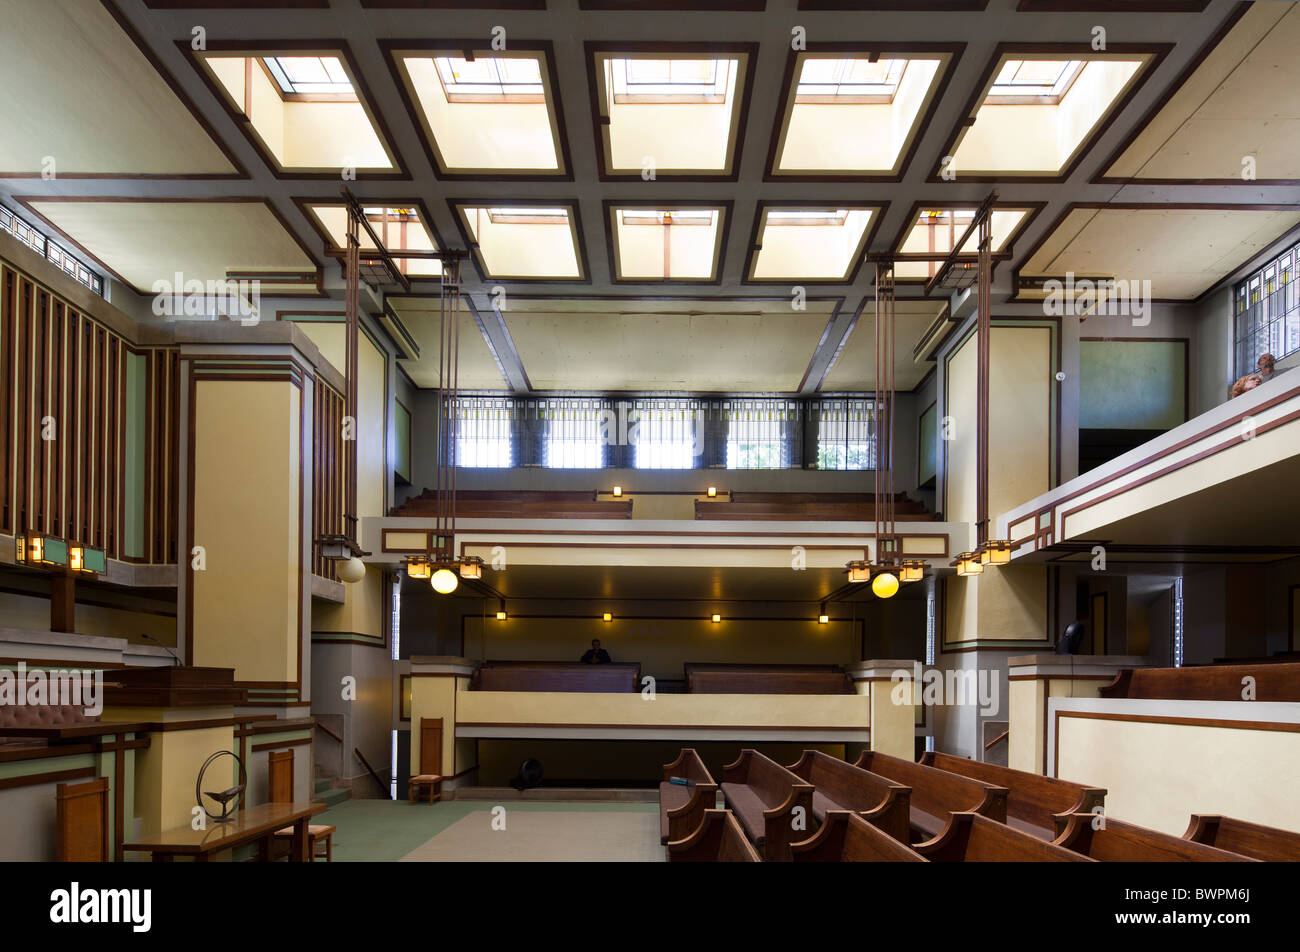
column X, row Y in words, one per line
column 971, row 838
column 1119, row 842
column 1220, row 682
column 842, row 786
column 1034, row 802
column 720, row 678
column 616, row 678
column 1249, row 839
column 939, row 793
column 681, row 808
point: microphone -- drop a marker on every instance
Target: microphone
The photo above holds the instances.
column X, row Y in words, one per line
column 175, row 658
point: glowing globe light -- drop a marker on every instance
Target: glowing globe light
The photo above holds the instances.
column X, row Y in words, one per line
column 444, row 581
column 351, row 570
column 884, row 585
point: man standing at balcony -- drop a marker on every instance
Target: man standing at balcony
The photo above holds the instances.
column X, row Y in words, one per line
column 596, row 654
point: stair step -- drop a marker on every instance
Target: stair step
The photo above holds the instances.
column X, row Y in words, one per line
column 333, row 796
column 323, row 783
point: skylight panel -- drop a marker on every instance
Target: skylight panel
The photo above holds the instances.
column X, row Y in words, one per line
column 1037, row 116
column 492, row 79
column 1029, row 81
column 849, row 80
column 524, row 242
column 809, row 244
column 854, row 114
column 936, row 230
column 671, row 113
column 484, row 111
column 666, row 243
column 303, row 75
column 671, row 80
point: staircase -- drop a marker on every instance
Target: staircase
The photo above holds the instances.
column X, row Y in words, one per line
column 325, row 792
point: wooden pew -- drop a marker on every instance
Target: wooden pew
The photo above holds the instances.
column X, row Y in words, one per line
column 711, row 678
column 616, row 678
column 806, row 512
column 1119, row 842
column 764, row 796
column 520, row 504
column 681, row 808
column 1220, row 682
column 718, row 839
column 840, row 786
column 847, row 837
column 1037, row 805
column 1249, row 839
column 972, row 838
column 937, row 794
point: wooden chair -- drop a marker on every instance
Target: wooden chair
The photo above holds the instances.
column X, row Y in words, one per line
column 1249, row 839
column 280, row 782
column 430, row 761
column 82, row 822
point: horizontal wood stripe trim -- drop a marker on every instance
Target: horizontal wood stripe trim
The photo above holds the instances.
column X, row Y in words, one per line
column 547, row 725
column 277, row 745
column 29, row 780
column 1279, row 726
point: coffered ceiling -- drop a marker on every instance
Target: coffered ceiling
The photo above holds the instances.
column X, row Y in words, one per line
column 757, row 154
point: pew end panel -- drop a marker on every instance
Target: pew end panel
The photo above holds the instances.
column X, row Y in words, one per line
column 973, row 838
column 778, row 823
column 847, row 837
column 718, row 839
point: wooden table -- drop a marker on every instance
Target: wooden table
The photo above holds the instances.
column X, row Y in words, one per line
column 252, row 824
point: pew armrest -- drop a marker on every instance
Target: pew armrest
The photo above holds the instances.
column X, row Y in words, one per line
column 687, row 818
column 994, row 804
column 827, row 844
column 1091, row 798
column 893, row 816
column 777, row 831
column 1203, row 828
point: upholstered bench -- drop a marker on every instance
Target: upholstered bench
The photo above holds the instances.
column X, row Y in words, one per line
column 26, row 716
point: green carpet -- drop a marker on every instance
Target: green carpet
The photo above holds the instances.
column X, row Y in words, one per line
column 384, row 831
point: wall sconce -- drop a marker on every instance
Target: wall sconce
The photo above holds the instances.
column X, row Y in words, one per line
column 713, row 491
column 34, row 548
column 618, row 490
column 607, row 617
column 717, row 619
column 823, row 618
column 87, row 560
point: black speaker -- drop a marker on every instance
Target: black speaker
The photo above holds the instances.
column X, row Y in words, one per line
column 530, row 775
column 1071, row 639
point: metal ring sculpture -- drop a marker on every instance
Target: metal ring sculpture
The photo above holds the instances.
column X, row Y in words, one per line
column 226, row 797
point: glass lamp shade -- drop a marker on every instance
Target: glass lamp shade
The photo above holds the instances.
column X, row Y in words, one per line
column 351, row 570
column 859, row 572
column 501, row 616
column 418, row 568
column 885, row 585
column 968, row 563
column 717, row 619
column 912, row 570
column 1001, row 552
column 471, row 568
column 607, row 617
column 986, row 553
column 444, row 581
column 823, row 619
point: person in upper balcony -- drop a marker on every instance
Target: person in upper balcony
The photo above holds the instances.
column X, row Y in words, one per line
column 595, row 654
